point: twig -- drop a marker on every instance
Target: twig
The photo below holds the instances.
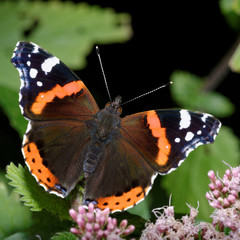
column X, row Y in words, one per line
column 220, row 70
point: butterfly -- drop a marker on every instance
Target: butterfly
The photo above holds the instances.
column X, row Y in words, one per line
column 69, row 137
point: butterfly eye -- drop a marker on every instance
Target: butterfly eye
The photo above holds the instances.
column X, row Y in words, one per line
column 119, row 110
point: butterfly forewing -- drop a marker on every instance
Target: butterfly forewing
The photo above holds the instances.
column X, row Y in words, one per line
column 49, row 89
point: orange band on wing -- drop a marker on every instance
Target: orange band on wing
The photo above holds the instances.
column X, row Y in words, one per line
column 159, row 133
column 119, row 203
column 37, row 168
column 44, row 97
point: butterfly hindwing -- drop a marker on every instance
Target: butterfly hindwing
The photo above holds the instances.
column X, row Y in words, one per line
column 122, row 180
column 53, row 153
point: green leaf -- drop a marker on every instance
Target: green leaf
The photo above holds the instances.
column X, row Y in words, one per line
column 142, row 208
column 187, row 91
column 9, row 102
column 14, row 216
column 64, row 236
column 189, row 183
column 34, row 195
column 133, row 219
column 234, row 62
column 47, row 225
column 231, row 10
column 66, row 29
column 19, row 236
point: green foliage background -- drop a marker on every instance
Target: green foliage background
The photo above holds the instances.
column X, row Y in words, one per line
column 25, row 208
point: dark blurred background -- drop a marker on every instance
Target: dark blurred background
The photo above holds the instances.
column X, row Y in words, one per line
column 167, row 36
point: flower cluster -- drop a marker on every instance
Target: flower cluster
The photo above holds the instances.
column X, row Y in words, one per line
column 168, row 227
column 97, row 224
column 223, row 197
column 224, row 192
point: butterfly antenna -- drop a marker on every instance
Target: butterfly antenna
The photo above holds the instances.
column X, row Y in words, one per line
column 104, row 77
column 144, row 94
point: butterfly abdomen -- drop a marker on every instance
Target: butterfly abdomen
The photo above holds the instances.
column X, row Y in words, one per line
column 92, row 158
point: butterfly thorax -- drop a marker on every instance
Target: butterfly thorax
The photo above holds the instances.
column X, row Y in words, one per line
column 104, row 128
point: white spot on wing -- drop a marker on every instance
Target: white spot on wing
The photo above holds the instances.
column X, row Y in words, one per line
column 185, row 119
column 177, row 140
column 205, row 116
column 33, row 72
column 199, row 132
column 39, row 83
column 189, row 136
column 35, row 48
column 49, row 63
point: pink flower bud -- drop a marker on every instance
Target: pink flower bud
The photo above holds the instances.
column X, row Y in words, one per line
column 91, row 207
column 96, row 227
column 90, row 216
column 102, row 220
column 236, row 172
column 218, row 184
column 228, row 174
column 73, row 214
column 74, row 230
column 216, row 193
column 106, row 232
column 231, row 198
column 226, row 181
column 123, row 223
column 224, row 190
column 211, row 186
column 215, row 204
column 81, row 210
column 114, row 222
column 234, row 193
column 212, row 175
column 110, row 227
column 105, row 212
column 226, row 202
column 100, row 234
column 81, row 223
column 129, row 230
column 88, row 235
column 89, row 227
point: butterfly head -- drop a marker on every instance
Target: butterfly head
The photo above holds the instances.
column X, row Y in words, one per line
column 115, row 105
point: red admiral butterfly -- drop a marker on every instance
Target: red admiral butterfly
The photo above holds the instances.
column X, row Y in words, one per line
column 68, row 136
